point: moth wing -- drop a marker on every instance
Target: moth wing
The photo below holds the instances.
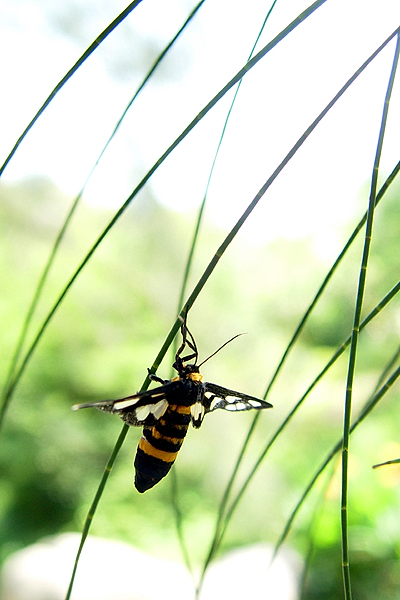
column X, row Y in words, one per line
column 141, row 409
column 216, row 396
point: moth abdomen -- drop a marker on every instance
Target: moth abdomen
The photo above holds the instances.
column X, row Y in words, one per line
column 159, row 447
column 162, row 442
column 172, row 431
column 149, row 469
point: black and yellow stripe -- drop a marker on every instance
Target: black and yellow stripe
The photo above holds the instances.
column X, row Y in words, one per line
column 159, row 446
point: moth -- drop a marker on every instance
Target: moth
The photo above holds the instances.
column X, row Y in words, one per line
column 166, row 411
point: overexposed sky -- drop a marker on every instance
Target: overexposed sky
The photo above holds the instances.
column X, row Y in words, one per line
column 317, row 192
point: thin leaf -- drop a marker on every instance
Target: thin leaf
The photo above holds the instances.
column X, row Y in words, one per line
column 93, row 46
column 96, row 500
column 43, row 277
column 218, row 535
column 241, row 73
column 355, row 333
column 220, row 528
column 174, row 491
column 369, row 406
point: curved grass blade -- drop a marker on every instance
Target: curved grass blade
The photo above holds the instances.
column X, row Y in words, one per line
column 217, row 537
column 218, row 533
column 201, row 209
column 95, row 502
column 328, row 277
column 43, row 277
column 179, row 521
column 355, row 333
column 369, row 406
column 314, row 522
column 174, row 329
column 193, row 296
column 241, row 73
column 223, row 524
column 105, row 33
column 174, row 486
column 389, row 367
column 395, row 461
column 336, row 449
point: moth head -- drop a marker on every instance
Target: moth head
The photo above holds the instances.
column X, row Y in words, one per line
column 187, row 371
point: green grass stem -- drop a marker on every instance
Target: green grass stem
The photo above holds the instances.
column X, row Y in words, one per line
column 223, row 523
column 93, row 46
column 355, row 334
column 241, row 73
column 369, row 406
column 174, row 486
column 217, row 537
column 45, row 273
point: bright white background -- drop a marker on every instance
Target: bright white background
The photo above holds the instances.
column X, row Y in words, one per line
column 322, row 186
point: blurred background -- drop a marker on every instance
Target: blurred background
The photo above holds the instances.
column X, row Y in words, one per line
column 114, row 319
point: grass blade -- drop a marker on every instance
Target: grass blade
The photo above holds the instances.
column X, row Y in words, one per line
column 174, row 492
column 218, row 535
column 314, row 522
column 220, row 529
column 241, row 73
column 105, row 33
column 377, row 395
column 196, row 291
column 43, row 277
column 93, row 507
column 224, row 127
column 355, row 333
column 369, row 406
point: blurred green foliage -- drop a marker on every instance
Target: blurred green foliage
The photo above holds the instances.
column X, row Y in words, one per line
column 109, row 330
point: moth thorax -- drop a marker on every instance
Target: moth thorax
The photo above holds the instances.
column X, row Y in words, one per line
column 195, row 377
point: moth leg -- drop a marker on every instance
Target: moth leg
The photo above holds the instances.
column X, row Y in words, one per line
column 153, row 377
column 186, row 342
column 189, row 357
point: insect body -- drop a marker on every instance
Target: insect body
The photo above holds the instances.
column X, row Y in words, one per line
column 166, row 411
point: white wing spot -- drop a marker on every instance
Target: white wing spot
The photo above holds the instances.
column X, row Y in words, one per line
column 255, row 403
column 231, row 399
column 121, row 404
column 159, row 409
column 142, row 412
column 214, row 403
column 237, row 406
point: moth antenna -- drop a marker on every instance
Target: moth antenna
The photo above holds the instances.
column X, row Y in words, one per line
column 220, row 348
